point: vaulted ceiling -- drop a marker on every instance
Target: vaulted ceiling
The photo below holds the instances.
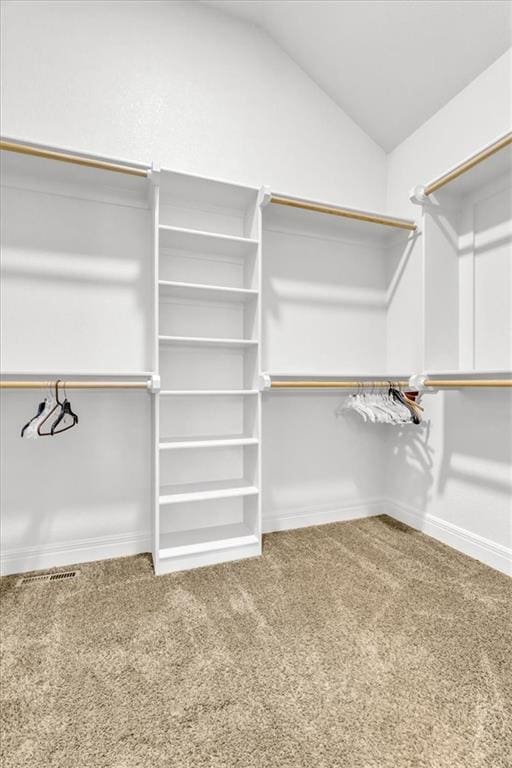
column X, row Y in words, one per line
column 389, row 64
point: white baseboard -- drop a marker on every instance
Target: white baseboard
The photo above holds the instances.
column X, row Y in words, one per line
column 61, row 554
column 70, row 552
column 489, row 552
column 304, row 518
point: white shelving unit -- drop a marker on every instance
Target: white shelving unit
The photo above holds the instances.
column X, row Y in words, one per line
column 207, row 415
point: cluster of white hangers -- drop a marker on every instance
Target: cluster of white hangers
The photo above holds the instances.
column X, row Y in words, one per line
column 391, row 406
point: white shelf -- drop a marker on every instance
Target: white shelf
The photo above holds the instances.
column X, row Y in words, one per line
column 208, row 441
column 469, row 373
column 197, row 341
column 337, row 376
column 198, row 241
column 73, row 374
column 202, row 292
column 207, row 392
column 223, row 489
column 206, row 540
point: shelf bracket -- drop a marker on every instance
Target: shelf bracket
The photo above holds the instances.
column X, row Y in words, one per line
column 417, row 196
column 264, row 196
column 265, row 382
column 154, row 384
column 154, row 174
column 417, row 381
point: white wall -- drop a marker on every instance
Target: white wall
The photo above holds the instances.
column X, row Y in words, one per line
column 83, row 495
column 186, row 86
column 190, row 88
column 457, row 483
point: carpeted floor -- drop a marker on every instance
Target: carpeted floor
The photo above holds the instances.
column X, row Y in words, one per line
column 353, row 645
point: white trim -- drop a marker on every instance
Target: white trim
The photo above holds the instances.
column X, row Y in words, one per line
column 41, row 557
column 308, row 516
column 59, row 554
column 489, row 552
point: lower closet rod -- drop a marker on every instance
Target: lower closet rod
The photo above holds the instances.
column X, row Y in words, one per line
column 75, row 384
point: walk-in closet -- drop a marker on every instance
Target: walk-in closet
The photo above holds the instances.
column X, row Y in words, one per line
column 256, row 384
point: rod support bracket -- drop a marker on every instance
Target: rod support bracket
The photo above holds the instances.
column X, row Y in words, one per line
column 154, row 384
column 417, row 381
column 265, row 382
column 154, row 174
column 264, row 196
column 417, row 195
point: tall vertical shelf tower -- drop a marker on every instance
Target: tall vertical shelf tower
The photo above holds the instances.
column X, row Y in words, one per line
column 207, row 414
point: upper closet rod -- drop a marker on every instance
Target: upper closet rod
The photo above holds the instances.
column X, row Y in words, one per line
column 68, row 157
column 421, row 192
column 347, row 213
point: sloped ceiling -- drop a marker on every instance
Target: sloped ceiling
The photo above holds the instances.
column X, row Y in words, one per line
column 389, row 64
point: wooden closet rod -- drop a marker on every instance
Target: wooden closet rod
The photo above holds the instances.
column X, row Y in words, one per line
column 74, row 384
column 435, row 383
column 467, row 165
column 333, row 384
column 347, row 213
column 459, row 383
column 65, row 157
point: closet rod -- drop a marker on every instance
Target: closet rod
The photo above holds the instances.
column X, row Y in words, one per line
column 435, row 383
column 347, row 213
column 75, row 384
column 459, row 383
column 65, row 157
column 333, row 384
column 467, row 165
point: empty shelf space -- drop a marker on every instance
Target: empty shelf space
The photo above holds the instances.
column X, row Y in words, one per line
column 202, row 292
column 206, row 539
column 207, row 441
column 199, row 191
column 198, row 241
column 224, row 489
column 198, row 341
column 206, row 392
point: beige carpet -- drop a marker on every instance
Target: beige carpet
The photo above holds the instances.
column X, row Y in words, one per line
column 353, row 645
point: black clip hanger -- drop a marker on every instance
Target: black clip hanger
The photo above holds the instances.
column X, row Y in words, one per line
column 40, row 409
column 56, row 406
column 65, row 411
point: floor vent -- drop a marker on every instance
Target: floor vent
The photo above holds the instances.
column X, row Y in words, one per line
column 47, row 577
